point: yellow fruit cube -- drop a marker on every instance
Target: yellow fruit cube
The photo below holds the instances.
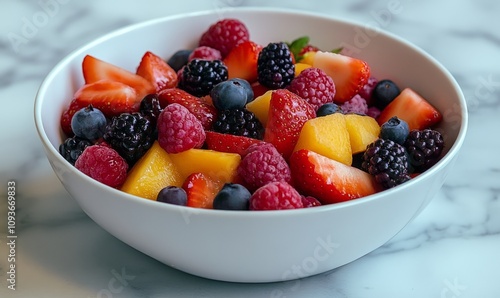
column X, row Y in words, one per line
column 260, row 107
column 308, row 58
column 327, row 136
column 299, row 67
column 219, row 166
column 151, row 173
column 363, row 130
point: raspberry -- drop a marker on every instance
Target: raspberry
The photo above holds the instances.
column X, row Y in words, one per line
column 276, row 196
column 357, row 105
column 367, row 90
column 373, row 112
column 225, row 35
column 205, row 53
column 263, row 164
column 275, row 68
column 315, row 86
column 310, row 202
column 103, row 164
column 179, row 129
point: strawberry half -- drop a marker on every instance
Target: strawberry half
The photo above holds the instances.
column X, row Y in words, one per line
column 328, row 180
column 349, row 74
column 228, row 143
column 201, row 190
column 95, row 70
column 241, row 61
column 200, row 108
column 412, row 108
column 287, row 114
column 112, row 98
column 157, row 72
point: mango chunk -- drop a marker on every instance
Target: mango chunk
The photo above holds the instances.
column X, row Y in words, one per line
column 219, row 166
column 363, row 130
column 327, row 136
column 260, row 106
column 299, row 67
column 151, row 173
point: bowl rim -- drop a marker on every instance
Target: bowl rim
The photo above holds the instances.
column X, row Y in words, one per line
column 52, row 150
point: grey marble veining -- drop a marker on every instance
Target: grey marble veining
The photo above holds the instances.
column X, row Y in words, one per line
column 452, row 249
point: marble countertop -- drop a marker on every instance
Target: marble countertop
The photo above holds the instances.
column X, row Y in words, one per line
column 451, row 250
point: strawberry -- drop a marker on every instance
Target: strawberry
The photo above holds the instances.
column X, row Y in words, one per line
column 241, row 61
column 157, row 72
column 67, row 115
column 95, row 70
column 287, row 114
column 349, row 74
column 200, row 108
column 412, row 108
column 201, row 190
column 258, row 89
column 328, row 180
column 112, row 98
column 228, row 143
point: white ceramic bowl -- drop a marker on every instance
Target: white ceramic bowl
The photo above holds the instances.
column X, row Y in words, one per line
column 255, row 246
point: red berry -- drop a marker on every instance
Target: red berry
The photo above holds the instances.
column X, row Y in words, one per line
column 261, row 165
column 276, row 196
column 367, row 90
column 179, row 129
column 224, row 35
column 205, row 53
column 103, row 164
column 310, row 202
column 357, row 105
column 314, row 86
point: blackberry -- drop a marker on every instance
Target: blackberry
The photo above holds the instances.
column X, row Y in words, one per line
column 150, row 107
column 72, row 148
column 387, row 162
column 200, row 76
column 240, row 122
column 131, row 135
column 275, row 68
column 424, row 148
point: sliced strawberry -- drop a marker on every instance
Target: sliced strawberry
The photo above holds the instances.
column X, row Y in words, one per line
column 258, row 89
column 67, row 115
column 200, row 108
column 95, row 70
column 412, row 108
column 241, row 62
column 287, row 114
column 228, row 143
column 112, row 98
column 157, row 72
column 328, row 180
column 349, row 74
column 201, row 190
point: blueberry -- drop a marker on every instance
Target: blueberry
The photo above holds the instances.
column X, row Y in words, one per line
column 384, row 93
column 248, row 88
column 232, row 196
column 88, row 123
column 231, row 94
column 395, row 129
column 179, row 59
column 327, row 109
column 172, row 195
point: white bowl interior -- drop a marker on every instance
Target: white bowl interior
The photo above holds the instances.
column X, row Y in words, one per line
column 370, row 221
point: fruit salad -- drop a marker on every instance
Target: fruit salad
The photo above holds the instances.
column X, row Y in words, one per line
column 237, row 125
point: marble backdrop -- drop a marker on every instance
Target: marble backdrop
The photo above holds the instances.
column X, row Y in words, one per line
column 451, row 250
